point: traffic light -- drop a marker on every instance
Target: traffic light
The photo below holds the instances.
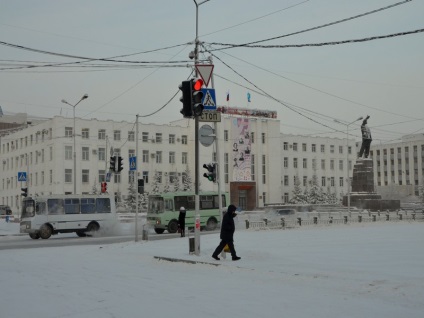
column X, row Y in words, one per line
column 113, row 163
column 141, row 186
column 186, row 99
column 24, row 192
column 120, row 164
column 197, row 96
column 104, row 187
column 211, row 174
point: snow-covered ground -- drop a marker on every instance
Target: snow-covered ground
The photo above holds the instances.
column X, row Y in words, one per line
column 355, row 270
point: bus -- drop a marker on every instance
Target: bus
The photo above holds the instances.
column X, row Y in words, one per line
column 84, row 214
column 163, row 210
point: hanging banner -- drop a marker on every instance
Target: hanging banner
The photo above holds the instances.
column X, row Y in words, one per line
column 241, row 149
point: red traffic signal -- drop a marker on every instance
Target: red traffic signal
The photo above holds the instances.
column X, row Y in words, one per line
column 197, row 97
column 104, row 187
column 197, row 84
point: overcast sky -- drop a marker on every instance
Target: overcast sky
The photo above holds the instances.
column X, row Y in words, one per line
column 383, row 78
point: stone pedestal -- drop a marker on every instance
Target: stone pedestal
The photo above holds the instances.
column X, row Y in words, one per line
column 363, row 194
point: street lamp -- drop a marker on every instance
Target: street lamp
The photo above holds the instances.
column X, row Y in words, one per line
column 347, row 158
column 75, row 154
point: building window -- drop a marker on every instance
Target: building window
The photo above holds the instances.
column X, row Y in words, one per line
column 101, row 154
column 146, row 177
column 252, row 137
column 252, row 167
column 295, row 146
column 263, row 137
column 340, row 164
column 145, row 155
column 85, row 153
column 331, row 148
column 68, row 175
column 68, row 153
column 226, row 174
column 322, row 148
column 332, row 164
column 305, row 181
column 158, row 156
column 340, row 149
column 117, row 135
column 322, row 164
column 173, row 177
column 68, row 132
column 286, row 180
column 263, row 169
column 286, row 162
column 102, row 134
column 159, row 176
column 305, row 163
column 131, row 136
column 303, row 147
column 341, row 181
column 145, row 137
column 286, row 197
column 158, row 138
column 117, row 178
column 85, row 176
column 131, row 153
column 295, row 163
column 50, row 176
column 172, row 157
column 184, row 139
column 349, row 150
column 285, row 146
column 322, row 181
column 225, row 135
column 172, row 139
column 314, row 148
column 102, row 177
column 332, row 181
column 184, row 157
column 85, row 133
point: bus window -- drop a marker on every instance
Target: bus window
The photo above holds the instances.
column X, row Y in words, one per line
column 40, row 208
column 88, row 205
column 103, row 205
column 55, row 206
column 206, row 202
column 169, row 205
column 72, row 206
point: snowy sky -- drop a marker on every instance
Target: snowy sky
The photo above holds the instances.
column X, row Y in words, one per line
column 357, row 270
column 382, row 78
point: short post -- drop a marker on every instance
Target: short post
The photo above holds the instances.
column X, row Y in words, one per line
column 266, row 221
column 413, row 216
column 387, row 216
column 345, row 219
column 315, row 220
column 299, row 220
column 247, row 224
column 400, row 216
column 359, row 218
column 283, row 223
column 331, row 220
column 145, row 233
column 374, row 217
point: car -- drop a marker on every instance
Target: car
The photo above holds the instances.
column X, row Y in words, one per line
column 5, row 210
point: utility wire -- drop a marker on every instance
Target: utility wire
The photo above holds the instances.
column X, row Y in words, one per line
column 310, row 29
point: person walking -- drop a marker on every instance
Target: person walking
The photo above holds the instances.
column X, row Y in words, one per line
column 181, row 220
column 227, row 233
column 366, row 138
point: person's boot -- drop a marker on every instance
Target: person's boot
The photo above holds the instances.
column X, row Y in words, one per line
column 216, row 257
column 236, row 258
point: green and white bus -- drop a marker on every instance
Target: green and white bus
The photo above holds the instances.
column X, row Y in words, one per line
column 83, row 214
column 163, row 210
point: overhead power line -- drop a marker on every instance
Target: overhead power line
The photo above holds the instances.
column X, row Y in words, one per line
column 229, row 45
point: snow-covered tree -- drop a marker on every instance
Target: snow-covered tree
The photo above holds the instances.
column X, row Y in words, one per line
column 130, row 200
column 176, row 183
column 94, row 188
column 421, row 193
column 156, row 182
column 298, row 196
column 167, row 187
column 187, row 181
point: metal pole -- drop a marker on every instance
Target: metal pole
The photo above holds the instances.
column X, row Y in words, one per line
column 133, row 180
column 75, row 157
column 347, row 169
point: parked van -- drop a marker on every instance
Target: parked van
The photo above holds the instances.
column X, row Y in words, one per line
column 5, row 210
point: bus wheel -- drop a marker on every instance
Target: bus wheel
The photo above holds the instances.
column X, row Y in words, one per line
column 34, row 236
column 211, row 224
column 45, row 231
column 81, row 234
column 173, row 226
column 159, row 231
column 92, row 227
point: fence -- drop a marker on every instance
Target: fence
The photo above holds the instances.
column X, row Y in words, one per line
column 335, row 218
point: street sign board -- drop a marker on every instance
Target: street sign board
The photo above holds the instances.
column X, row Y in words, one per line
column 206, row 135
column 205, row 72
column 22, row 176
column 133, row 163
column 210, row 116
column 209, row 99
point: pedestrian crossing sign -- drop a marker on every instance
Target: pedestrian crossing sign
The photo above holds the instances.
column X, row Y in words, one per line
column 133, row 163
column 209, row 100
column 22, row 176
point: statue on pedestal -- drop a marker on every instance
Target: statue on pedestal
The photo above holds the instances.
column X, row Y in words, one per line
column 366, row 138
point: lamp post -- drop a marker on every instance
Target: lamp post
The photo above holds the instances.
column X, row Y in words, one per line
column 347, row 158
column 75, row 153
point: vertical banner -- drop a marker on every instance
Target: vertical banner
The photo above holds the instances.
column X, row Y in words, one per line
column 241, row 149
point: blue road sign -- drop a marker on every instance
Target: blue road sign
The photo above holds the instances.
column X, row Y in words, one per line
column 108, row 175
column 133, row 163
column 209, row 100
column 22, row 176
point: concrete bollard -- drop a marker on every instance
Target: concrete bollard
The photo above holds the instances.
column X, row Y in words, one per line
column 283, row 223
column 145, row 233
column 345, row 219
column 266, row 221
column 315, row 220
column 387, row 217
column 413, row 216
column 299, row 220
column 247, row 224
column 359, row 218
column 374, row 218
column 331, row 220
column 400, row 216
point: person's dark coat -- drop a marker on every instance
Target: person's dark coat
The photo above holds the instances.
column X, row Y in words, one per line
column 228, row 227
column 181, row 218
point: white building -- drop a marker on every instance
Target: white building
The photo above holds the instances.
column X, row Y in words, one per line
column 44, row 151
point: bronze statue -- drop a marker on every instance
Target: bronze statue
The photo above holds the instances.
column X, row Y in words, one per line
column 366, row 138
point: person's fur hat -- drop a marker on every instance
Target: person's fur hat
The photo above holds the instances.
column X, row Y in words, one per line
column 231, row 208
